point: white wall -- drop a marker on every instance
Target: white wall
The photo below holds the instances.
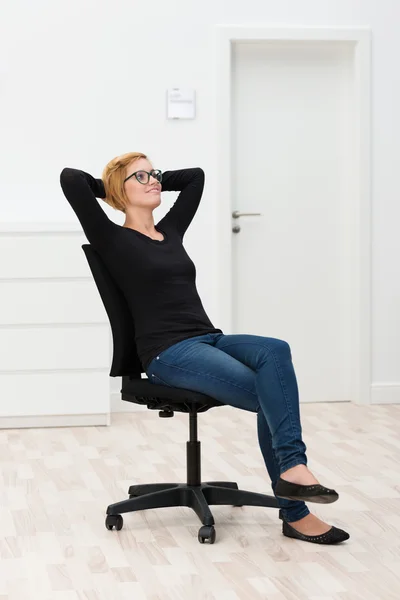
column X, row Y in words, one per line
column 82, row 81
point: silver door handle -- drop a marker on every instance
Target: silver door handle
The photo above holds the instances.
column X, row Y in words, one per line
column 236, row 214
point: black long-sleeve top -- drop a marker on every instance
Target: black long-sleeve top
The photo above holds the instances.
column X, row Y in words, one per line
column 157, row 278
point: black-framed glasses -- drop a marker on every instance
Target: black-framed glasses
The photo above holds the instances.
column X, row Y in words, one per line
column 144, row 176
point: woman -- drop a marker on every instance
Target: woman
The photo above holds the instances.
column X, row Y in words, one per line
column 177, row 343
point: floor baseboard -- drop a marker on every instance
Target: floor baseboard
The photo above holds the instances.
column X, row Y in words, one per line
column 386, row 393
column 39, row 421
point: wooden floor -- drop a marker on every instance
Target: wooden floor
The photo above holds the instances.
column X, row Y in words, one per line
column 55, row 485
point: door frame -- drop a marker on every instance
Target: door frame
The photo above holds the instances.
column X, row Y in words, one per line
column 225, row 38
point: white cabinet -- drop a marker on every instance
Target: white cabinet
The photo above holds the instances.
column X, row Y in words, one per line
column 55, row 341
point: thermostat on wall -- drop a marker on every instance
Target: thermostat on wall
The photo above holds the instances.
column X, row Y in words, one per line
column 181, row 103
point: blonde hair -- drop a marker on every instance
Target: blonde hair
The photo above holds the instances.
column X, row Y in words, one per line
column 113, row 177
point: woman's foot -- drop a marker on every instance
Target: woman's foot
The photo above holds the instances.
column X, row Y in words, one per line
column 298, row 483
column 310, row 525
column 299, row 474
column 311, row 529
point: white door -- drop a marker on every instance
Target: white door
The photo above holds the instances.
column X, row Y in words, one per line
column 293, row 161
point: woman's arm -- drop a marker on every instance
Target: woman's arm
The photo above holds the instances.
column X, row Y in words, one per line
column 82, row 190
column 190, row 184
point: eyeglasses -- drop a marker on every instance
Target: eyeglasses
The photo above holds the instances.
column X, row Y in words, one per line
column 144, row 176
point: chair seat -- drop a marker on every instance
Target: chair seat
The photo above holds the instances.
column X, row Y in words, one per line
column 156, row 397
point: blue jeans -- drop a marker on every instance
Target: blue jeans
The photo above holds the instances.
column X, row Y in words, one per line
column 251, row 372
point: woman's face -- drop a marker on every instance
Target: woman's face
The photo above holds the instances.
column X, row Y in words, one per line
column 142, row 190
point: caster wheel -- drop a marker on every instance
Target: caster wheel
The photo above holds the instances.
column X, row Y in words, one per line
column 207, row 534
column 114, row 521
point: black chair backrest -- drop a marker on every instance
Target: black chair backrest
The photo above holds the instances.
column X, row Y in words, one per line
column 125, row 359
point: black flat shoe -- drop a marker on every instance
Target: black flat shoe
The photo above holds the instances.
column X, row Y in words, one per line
column 333, row 536
column 307, row 493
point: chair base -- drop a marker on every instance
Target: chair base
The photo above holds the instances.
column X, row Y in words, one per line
column 197, row 497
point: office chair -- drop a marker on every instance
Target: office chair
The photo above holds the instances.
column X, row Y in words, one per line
column 193, row 494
